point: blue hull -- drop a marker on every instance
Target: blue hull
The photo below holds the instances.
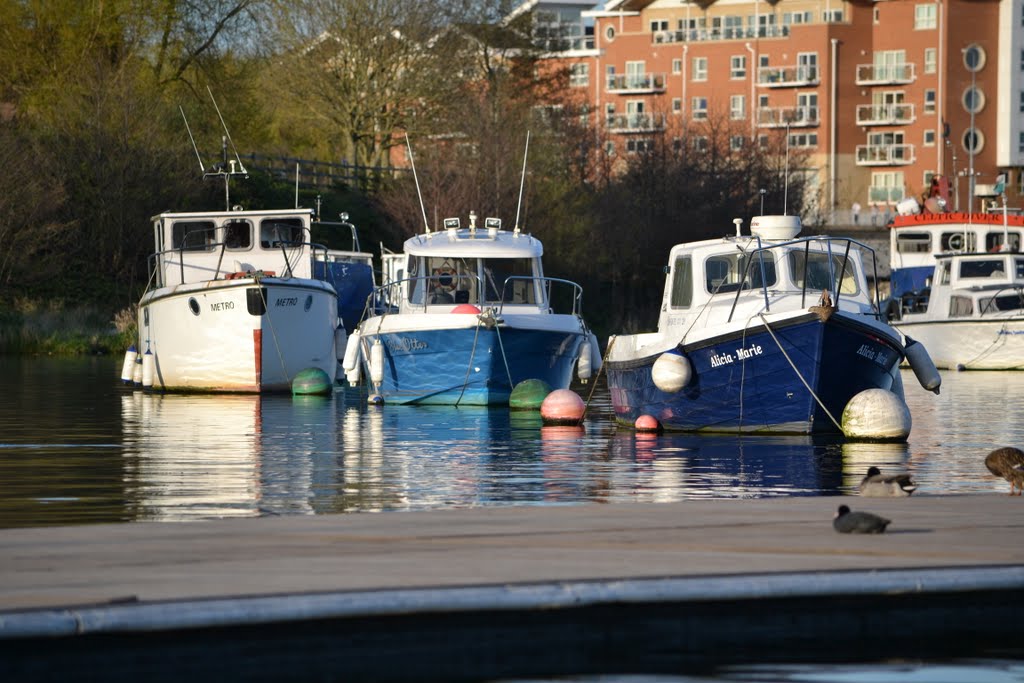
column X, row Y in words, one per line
column 472, row 366
column 353, row 282
column 747, row 384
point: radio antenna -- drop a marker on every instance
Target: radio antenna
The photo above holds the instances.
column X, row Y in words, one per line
column 202, row 169
column 412, row 162
column 241, row 166
column 522, row 182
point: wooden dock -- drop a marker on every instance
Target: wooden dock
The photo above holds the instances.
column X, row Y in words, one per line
column 492, row 592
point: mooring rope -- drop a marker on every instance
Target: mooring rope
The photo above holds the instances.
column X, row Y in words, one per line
column 472, row 355
column 273, row 332
column 593, row 386
column 793, row 365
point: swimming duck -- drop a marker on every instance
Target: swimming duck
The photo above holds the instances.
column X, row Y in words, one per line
column 877, row 485
column 1008, row 463
column 847, row 522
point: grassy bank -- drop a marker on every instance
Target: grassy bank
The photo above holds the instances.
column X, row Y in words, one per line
column 32, row 327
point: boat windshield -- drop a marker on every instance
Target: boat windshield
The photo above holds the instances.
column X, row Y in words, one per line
column 983, row 269
column 723, row 272
column 816, row 276
column 455, row 280
column 274, row 231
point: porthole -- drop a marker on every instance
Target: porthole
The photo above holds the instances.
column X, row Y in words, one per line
column 309, row 302
column 974, row 58
column 193, row 305
column 973, row 141
column 973, row 100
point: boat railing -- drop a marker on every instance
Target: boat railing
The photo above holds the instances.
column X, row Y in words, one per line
column 156, row 258
column 567, row 295
column 756, row 255
column 554, row 293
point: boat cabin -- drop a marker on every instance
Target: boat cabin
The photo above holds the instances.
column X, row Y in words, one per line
column 970, row 286
column 198, row 247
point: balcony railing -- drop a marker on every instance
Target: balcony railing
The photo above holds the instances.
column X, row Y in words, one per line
column 885, row 74
column 885, row 155
column 787, row 76
column 636, row 83
column 635, row 123
column 884, row 114
column 565, row 43
column 780, row 117
column 694, row 35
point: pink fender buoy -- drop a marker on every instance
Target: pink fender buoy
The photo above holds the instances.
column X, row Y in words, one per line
column 562, row 407
column 466, row 308
column 647, row 423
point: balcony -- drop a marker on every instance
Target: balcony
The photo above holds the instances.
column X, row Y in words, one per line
column 884, row 114
column 566, row 44
column 635, row 84
column 635, row 123
column 781, row 117
column 696, row 35
column 787, row 76
column 887, row 74
column 885, row 155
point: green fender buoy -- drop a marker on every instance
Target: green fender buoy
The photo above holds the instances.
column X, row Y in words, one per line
column 312, row 381
column 528, row 394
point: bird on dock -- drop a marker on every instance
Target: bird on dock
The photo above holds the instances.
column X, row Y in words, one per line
column 847, row 522
column 1008, row 463
column 878, row 485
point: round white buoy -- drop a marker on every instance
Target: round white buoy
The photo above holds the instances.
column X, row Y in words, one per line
column 561, row 407
column 148, row 369
column 128, row 369
column 583, row 364
column 647, row 423
column 377, row 363
column 671, row 372
column 876, row 414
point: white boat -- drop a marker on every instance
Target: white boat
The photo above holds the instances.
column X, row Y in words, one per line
column 464, row 315
column 767, row 332
column 233, row 305
column 957, row 287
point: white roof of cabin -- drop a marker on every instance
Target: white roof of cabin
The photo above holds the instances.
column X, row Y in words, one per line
column 503, row 245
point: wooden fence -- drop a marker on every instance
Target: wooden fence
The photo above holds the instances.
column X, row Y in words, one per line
column 318, row 174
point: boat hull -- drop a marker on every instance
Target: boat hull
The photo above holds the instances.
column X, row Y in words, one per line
column 754, row 380
column 238, row 335
column 470, row 365
column 971, row 344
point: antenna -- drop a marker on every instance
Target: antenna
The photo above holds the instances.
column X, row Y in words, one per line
column 202, row 169
column 241, row 166
column 785, row 182
column 297, row 185
column 522, row 181
column 419, row 194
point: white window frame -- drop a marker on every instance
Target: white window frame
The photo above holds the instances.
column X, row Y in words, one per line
column 930, row 60
column 677, row 105
column 700, row 69
column 737, row 107
column 738, row 66
column 929, row 105
column 699, row 108
column 929, row 137
column 677, row 66
column 925, row 17
column 579, row 75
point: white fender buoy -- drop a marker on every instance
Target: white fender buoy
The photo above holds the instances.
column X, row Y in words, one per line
column 595, row 353
column 128, row 369
column 921, row 363
column 377, row 363
column 340, row 342
column 148, row 369
column 355, row 375
column 351, row 357
column 876, row 414
column 583, row 364
column 671, row 372
column 137, row 372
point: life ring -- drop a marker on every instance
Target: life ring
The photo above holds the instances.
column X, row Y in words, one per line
column 445, row 278
column 956, row 242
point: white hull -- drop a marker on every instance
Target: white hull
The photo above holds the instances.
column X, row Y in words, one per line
column 996, row 344
column 204, row 337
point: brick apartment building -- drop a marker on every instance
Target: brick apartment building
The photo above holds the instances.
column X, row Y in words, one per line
column 881, row 95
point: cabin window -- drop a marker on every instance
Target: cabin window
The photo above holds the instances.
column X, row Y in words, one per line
column 451, row 280
column 817, row 275
column 913, row 242
column 994, row 241
column 682, row 283
column 194, row 235
column 238, row 234
column 1006, row 302
column 724, row 273
column 960, row 307
column 1018, row 266
column 944, row 273
column 277, row 231
column 508, row 280
column 990, row 268
column 954, row 241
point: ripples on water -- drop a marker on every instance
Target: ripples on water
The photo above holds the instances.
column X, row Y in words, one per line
column 77, row 448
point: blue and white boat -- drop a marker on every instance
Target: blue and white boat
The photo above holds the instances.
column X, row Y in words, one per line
column 463, row 315
column 767, row 332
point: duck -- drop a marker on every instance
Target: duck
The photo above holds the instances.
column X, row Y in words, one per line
column 1008, row 463
column 877, row 485
column 848, row 522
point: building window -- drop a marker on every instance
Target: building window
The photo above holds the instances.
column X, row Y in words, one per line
column 886, row 187
column 973, row 100
column 700, row 144
column 929, row 137
column 1020, row 148
column 677, row 104
column 762, row 101
column 762, row 60
column 974, row 58
column 832, row 16
column 700, row 68
column 677, row 66
column 738, row 66
column 579, row 75
column 1022, row 60
column 875, row 15
column 736, row 142
column 609, row 33
column 1022, row 100
column 924, row 17
column 737, row 107
column 973, row 141
column 803, row 139
column 929, row 60
column 929, row 101
column 928, row 175
column 699, row 107
column 762, row 141
column 790, row 18
column 637, row 146
column 659, row 25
